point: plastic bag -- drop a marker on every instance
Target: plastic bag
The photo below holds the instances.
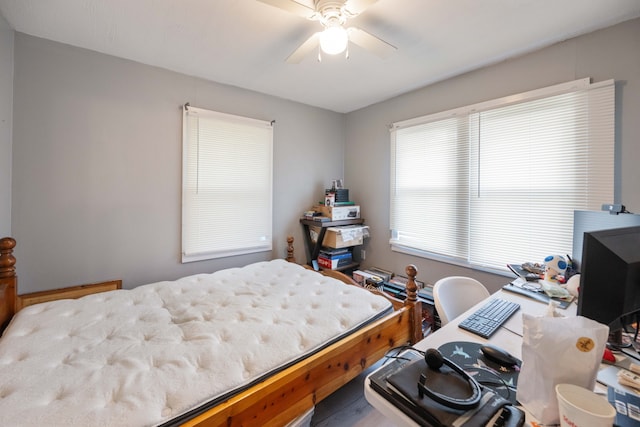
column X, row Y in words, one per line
column 557, row 350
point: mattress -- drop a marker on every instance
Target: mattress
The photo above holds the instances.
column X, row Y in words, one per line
column 146, row 356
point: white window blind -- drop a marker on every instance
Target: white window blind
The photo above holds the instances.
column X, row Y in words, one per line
column 226, row 185
column 498, row 182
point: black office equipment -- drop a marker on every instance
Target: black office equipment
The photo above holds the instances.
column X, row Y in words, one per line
column 610, row 277
column 488, row 318
column 498, row 355
column 435, row 360
column 398, row 380
column 468, row 355
column 584, row 221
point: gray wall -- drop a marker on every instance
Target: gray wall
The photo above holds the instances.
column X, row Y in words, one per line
column 97, row 165
column 612, row 53
column 6, row 102
column 96, row 154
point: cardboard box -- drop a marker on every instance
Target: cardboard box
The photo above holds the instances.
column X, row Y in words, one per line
column 337, row 213
column 342, row 237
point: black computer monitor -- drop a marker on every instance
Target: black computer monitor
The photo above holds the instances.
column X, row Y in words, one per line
column 593, row 221
column 610, row 276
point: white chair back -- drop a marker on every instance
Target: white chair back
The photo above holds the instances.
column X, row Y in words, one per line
column 456, row 294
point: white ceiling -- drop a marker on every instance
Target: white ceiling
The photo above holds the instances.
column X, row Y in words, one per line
column 245, row 42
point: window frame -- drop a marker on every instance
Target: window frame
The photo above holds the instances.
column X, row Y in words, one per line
column 402, row 243
column 212, row 220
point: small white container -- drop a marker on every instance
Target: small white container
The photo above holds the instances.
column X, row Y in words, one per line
column 580, row 407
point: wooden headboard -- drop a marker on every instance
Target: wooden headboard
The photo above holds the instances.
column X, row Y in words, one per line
column 11, row 302
column 8, row 280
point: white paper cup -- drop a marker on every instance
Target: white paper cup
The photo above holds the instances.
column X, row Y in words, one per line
column 580, row 407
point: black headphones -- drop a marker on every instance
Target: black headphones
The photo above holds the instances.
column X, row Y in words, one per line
column 435, row 360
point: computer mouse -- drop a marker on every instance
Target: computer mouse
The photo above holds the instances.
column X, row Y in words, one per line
column 498, row 355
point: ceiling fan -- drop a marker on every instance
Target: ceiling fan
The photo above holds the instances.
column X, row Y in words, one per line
column 335, row 38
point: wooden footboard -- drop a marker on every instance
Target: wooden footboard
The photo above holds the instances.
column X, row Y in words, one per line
column 282, row 397
column 412, row 302
column 288, row 394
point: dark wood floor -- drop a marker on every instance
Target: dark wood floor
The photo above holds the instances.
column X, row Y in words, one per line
column 348, row 407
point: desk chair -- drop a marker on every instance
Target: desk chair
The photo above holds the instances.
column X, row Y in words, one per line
column 456, row 294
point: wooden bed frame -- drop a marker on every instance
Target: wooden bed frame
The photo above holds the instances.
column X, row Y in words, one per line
column 287, row 394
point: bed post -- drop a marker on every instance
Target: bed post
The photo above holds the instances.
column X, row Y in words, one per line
column 8, row 280
column 290, row 257
column 414, row 304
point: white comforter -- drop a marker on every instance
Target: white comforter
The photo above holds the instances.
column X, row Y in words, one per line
column 141, row 357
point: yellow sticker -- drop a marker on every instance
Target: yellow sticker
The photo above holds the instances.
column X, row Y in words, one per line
column 585, row 344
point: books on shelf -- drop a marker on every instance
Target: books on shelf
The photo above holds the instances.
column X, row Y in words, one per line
column 335, row 258
column 361, row 277
column 384, row 274
column 334, row 263
column 334, row 251
column 402, row 281
column 399, row 291
column 317, row 216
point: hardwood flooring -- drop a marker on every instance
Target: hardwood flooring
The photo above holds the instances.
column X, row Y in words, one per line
column 347, row 407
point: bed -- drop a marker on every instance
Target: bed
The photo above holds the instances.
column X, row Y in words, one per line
column 159, row 364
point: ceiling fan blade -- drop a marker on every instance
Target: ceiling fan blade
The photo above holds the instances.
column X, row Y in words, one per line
column 370, row 42
column 292, row 7
column 310, row 44
column 356, row 7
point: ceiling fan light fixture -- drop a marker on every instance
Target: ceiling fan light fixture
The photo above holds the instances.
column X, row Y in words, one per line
column 334, row 40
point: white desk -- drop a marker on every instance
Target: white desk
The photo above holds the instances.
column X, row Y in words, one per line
column 508, row 337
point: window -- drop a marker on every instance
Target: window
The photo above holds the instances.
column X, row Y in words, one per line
column 226, row 185
column 497, row 182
